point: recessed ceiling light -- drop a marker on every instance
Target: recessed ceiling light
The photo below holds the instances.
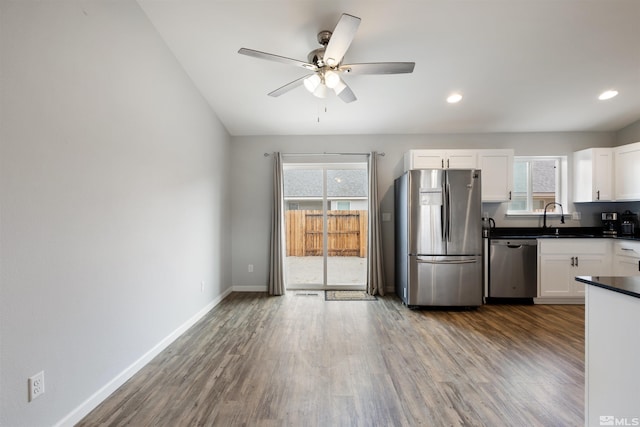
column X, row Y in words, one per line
column 453, row 98
column 607, row 94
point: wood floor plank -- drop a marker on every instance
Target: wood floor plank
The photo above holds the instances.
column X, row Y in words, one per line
column 300, row 360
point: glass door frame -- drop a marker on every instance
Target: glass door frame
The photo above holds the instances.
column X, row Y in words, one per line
column 324, row 166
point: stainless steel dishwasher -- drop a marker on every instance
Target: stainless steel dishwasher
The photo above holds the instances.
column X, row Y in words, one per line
column 513, row 268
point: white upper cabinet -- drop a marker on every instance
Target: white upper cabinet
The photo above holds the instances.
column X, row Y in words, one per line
column 593, row 175
column 440, row 159
column 627, row 172
column 496, row 166
column 497, row 174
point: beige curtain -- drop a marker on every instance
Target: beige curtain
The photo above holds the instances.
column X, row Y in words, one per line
column 276, row 268
column 375, row 267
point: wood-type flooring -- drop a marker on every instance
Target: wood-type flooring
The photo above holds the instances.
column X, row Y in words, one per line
column 299, row 360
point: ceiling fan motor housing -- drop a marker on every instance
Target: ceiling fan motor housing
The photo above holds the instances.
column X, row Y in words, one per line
column 323, row 37
column 316, row 56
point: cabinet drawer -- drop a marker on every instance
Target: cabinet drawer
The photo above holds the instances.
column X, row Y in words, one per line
column 572, row 246
column 626, row 248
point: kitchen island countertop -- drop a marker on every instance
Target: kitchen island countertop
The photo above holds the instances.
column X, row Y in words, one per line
column 628, row 285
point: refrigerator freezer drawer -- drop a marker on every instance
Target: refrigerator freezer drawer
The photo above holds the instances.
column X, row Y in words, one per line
column 445, row 281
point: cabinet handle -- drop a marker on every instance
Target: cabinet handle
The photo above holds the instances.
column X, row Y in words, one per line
column 509, row 195
column 638, row 265
column 573, row 261
column 598, row 195
column 576, row 261
column 448, row 164
column 442, row 163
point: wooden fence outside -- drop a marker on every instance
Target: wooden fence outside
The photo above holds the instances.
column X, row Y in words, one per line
column 347, row 233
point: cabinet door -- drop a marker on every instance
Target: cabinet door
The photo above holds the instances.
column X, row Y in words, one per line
column 602, row 175
column 625, row 266
column 627, row 172
column 461, row 159
column 586, row 265
column 497, row 174
column 555, row 271
column 427, row 159
column 593, row 175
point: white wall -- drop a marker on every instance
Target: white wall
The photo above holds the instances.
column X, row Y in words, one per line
column 629, row 134
column 114, row 202
column 252, row 173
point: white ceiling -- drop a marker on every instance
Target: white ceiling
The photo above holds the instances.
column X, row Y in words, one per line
column 522, row 65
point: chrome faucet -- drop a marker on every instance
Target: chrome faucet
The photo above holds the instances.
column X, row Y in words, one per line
column 544, row 220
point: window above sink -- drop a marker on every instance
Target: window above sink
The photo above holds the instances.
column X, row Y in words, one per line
column 538, row 181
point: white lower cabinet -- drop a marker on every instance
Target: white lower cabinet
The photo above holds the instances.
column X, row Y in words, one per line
column 626, row 258
column 561, row 260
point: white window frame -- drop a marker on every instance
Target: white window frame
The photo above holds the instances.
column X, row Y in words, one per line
column 561, row 187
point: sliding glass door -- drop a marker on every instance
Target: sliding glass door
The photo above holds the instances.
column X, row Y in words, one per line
column 326, row 213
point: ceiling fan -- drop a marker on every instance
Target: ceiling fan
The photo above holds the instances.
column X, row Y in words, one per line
column 326, row 63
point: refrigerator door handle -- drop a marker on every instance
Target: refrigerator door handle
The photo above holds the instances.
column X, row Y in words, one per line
column 459, row 261
column 448, row 201
column 443, row 221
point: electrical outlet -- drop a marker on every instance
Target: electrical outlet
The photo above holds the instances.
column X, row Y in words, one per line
column 36, row 385
column 250, row 268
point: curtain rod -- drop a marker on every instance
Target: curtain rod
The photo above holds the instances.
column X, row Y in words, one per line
column 325, row 154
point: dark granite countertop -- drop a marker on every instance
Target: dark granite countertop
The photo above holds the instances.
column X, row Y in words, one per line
column 628, row 285
column 550, row 233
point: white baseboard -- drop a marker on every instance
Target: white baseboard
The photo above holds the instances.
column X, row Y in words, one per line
column 99, row 396
column 573, row 301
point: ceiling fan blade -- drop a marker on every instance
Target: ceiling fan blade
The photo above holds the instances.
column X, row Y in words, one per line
column 379, row 68
column 341, row 39
column 277, row 58
column 289, row 86
column 345, row 93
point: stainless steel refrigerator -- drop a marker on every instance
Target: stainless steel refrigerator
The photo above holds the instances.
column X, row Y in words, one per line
column 438, row 237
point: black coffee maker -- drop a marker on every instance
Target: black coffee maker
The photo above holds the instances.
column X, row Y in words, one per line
column 628, row 223
column 610, row 223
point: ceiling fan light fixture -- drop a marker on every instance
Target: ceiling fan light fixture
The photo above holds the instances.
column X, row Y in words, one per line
column 321, row 91
column 312, row 82
column 331, row 79
column 607, row 94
